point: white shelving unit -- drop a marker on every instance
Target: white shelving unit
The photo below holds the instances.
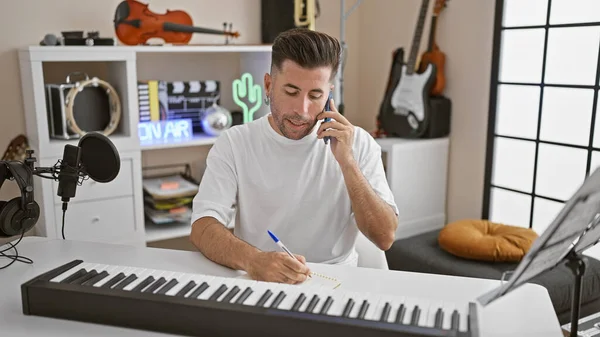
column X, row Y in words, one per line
column 416, row 171
column 114, row 212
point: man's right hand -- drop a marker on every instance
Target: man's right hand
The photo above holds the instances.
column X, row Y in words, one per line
column 277, row 267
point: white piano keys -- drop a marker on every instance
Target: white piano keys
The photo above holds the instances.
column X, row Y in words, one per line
column 227, row 282
column 310, row 293
column 242, row 286
column 372, row 300
column 259, row 288
column 464, row 316
column 429, row 308
column 291, row 294
column 449, row 308
column 339, row 303
column 275, row 288
column 376, row 308
column 395, row 304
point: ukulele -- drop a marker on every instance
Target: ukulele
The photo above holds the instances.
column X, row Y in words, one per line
column 434, row 55
column 405, row 109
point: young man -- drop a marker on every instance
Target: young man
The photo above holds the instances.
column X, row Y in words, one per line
column 279, row 175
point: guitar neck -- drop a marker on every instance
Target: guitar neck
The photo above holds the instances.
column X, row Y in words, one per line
column 414, row 51
column 431, row 42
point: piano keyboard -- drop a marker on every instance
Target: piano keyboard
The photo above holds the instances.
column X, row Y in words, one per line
column 201, row 305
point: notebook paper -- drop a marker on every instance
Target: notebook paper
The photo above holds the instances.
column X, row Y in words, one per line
column 317, row 279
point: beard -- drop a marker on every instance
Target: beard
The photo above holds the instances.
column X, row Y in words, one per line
column 291, row 125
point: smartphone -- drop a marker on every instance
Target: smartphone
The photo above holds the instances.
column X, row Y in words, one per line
column 327, row 108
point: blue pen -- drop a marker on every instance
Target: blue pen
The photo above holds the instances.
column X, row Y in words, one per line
column 280, row 244
column 327, row 119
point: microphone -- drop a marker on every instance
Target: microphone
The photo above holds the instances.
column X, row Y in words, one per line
column 95, row 156
column 69, row 173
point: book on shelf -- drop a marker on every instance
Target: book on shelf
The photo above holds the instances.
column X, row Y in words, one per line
column 168, row 199
column 169, row 187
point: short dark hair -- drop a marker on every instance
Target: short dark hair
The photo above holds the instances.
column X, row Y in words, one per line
column 309, row 49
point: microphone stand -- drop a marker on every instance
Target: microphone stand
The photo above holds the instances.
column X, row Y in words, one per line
column 5, row 174
column 340, row 75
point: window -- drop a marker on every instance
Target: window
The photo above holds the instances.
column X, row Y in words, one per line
column 543, row 133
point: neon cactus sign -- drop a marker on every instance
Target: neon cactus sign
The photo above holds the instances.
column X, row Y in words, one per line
column 244, row 88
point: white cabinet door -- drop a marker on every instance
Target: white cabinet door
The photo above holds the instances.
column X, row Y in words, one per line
column 121, row 186
column 111, row 220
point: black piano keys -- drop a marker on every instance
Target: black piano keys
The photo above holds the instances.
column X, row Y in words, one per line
column 116, row 279
column 439, row 318
column 349, row 305
column 363, row 310
column 312, row 304
column 298, row 302
column 173, row 282
column 231, row 294
column 218, row 292
column 189, row 286
column 278, row 299
column 247, row 292
column 199, row 290
column 152, row 287
column 206, row 293
column 96, row 278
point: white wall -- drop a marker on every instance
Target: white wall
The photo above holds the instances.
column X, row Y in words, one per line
column 373, row 31
column 465, row 31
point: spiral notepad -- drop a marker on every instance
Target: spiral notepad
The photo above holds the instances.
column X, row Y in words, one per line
column 323, row 279
column 317, row 278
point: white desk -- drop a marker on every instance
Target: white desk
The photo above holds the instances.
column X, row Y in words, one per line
column 525, row 312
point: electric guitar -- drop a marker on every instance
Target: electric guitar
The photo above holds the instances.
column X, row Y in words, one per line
column 406, row 112
column 433, row 54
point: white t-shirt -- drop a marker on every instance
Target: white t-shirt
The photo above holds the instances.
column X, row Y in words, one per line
column 294, row 188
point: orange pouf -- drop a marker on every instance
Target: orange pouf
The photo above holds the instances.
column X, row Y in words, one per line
column 487, row 241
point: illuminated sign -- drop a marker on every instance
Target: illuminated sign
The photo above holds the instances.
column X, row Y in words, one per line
column 244, row 88
column 165, row 131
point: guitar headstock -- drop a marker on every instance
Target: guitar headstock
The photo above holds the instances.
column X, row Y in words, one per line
column 17, row 149
column 439, row 6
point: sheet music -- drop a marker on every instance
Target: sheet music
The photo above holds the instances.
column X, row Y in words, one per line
column 574, row 228
column 591, row 236
column 530, row 266
column 544, row 260
column 578, row 219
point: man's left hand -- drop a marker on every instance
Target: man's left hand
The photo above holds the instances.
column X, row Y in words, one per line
column 341, row 133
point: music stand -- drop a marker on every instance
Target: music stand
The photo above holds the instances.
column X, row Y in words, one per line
column 575, row 229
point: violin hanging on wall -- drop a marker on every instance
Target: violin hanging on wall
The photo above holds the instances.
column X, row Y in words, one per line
column 135, row 24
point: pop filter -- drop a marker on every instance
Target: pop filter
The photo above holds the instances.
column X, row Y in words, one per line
column 99, row 157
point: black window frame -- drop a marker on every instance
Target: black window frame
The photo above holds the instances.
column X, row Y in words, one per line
column 491, row 134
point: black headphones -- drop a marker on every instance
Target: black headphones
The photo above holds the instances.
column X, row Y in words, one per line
column 19, row 214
